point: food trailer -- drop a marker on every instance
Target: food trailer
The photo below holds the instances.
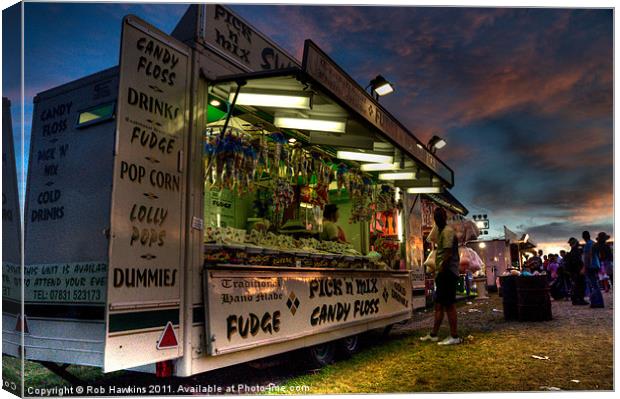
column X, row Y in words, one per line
column 174, row 206
column 495, row 253
column 502, row 254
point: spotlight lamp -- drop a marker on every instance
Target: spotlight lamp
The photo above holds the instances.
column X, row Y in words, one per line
column 380, row 86
column 436, row 143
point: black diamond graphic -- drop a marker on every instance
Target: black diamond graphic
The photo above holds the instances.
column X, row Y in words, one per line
column 385, row 295
column 292, row 303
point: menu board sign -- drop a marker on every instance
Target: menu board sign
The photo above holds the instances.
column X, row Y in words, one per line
column 248, row 308
column 67, row 206
column 146, row 244
column 235, row 39
column 318, row 65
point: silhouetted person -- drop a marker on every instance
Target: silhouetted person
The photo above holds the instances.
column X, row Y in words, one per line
column 561, row 286
column 592, row 265
column 574, row 266
column 447, row 264
column 606, row 274
column 536, row 261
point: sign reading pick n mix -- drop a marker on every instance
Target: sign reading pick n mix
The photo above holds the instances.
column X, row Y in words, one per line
column 249, row 308
column 235, row 39
column 145, row 273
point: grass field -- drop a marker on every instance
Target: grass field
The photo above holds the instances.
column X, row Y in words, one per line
column 40, row 377
column 496, row 356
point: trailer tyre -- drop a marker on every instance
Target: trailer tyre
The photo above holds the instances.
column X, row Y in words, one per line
column 349, row 346
column 387, row 330
column 322, row 355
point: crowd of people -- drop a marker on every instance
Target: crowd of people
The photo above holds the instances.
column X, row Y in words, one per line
column 582, row 271
column 573, row 274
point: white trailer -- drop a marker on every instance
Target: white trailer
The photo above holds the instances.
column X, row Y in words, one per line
column 115, row 273
column 495, row 254
column 11, row 240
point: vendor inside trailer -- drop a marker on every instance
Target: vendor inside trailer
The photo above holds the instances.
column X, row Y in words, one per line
column 282, row 159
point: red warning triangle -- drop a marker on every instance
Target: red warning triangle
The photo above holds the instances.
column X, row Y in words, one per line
column 168, row 338
column 19, row 325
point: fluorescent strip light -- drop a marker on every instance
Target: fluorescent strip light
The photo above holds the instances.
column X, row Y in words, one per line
column 322, row 125
column 306, row 205
column 377, row 167
column 424, row 190
column 397, row 176
column 364, row 157
column 279, row 99
column 399, row 225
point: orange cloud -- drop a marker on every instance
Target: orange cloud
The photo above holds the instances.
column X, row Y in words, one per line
column 598, row 207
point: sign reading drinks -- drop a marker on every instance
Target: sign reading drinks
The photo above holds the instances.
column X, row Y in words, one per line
column 248, row 308
column 318, row 65
column 232, row 37
column 145, row 274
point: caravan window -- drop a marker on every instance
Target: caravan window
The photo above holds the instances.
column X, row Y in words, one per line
column 100, row 113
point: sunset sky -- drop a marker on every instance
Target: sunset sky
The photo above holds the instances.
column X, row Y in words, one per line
column 522, row 96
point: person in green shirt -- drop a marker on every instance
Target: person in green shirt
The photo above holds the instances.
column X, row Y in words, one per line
column 447, row 266
column 331, row 231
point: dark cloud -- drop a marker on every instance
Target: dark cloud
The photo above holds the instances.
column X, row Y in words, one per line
column 559, row 232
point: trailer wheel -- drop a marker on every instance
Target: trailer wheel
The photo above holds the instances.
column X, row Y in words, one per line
column 349, row 346
column 387, row 330
column 322, row 355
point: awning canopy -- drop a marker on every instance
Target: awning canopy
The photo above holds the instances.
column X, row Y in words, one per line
column 448, row 201
column 359, row 135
